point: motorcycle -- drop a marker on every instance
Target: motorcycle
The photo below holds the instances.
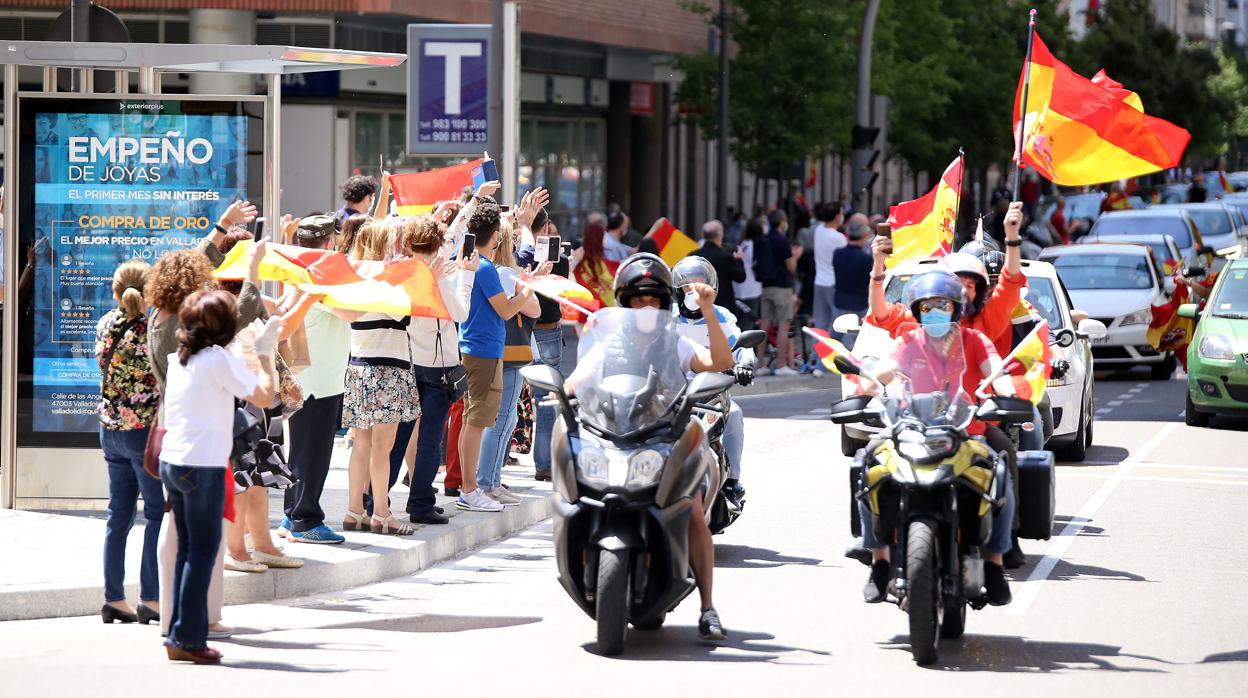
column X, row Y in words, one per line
column 714, row 413
column 931, row 488
column 628, row 456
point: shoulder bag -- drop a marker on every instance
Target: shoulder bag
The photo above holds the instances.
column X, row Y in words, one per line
column 455, row 378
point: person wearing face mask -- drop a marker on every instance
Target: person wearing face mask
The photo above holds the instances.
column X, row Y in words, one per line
column 938, row 300
column 989, row 309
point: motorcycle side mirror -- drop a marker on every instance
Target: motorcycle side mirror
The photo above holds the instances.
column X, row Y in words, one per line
column 1064, row 338
column 846, row 323
column 853, row 410
column 707, row 385
column 1195, row 271
column 1204, row 250
column 749, row 339
column 543, row 377
column 846, row 367
column 1007, row 410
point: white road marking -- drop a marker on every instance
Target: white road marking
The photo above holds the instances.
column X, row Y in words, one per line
column 1114, row 403
column 1150, row 464
column 1030, row 589
column 1159, row 478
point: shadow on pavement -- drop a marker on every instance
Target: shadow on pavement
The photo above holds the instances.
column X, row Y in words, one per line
column 282, row 666
column 748, row 557
column 1102, row 454
column 1240, row 656
column 1065, row 571
column 681, row 643
column 433, row 623
column 1002, row 653
column 1060, row 521
column 289, row 645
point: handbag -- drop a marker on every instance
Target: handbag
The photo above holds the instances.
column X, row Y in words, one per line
column 257, row 456
column 294, row 351
column 455, row 378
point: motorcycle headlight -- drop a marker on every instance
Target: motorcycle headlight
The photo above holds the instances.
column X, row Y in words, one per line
column 1216, row 346
column 1139, row 317
column 912, row 450
column 594, row 465
column 940, row 445
column 645, row 466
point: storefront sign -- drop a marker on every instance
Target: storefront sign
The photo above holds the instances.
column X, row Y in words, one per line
column 641, row 98
column 103, row 181
column 449, row 88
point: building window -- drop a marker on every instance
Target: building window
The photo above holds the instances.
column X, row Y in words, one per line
column 567, row 157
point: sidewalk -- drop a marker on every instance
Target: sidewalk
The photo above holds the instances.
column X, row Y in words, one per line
column 53, row 561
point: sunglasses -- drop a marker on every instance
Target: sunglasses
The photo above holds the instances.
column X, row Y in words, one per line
column 935, row 304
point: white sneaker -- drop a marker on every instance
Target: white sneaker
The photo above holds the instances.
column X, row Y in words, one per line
column 785, row 371
column 502, row 496
column 477, row 501
column 818, row 373
column 762, row 371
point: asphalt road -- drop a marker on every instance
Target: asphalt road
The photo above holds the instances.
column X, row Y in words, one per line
column 1140, row 594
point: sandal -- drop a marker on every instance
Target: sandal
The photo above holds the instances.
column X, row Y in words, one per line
column 391, row 526
column 355, row 522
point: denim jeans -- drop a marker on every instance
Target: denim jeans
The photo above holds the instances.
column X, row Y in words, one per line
column 824, row 313
column 550, row 352
column 197, row 496
column 734, row 440
column 496, row 440
column 123, row 451
column 433, row 410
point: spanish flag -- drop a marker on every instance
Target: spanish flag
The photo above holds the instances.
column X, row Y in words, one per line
column 833, row 355
column 418, row 192
column 1080, row 131
column 673, row 244
column 1029, row 364
column 403, row 287
column 1167, row 331
column 924, row 227
column 573, row 296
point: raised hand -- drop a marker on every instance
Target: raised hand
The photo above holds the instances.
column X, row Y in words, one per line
column 238, row 213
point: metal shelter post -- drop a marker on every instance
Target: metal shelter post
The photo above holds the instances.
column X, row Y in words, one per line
column 8, row 347
column 273, row 158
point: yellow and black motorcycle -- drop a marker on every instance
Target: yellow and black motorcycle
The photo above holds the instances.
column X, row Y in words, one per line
column 930, row 487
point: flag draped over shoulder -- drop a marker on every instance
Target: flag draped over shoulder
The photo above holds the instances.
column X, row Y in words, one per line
column 1080, row 131
column 673, row 244
column 924, row 227
column 418, row 192
column 1168, row 331
column 1030, row 363
column 403, row 287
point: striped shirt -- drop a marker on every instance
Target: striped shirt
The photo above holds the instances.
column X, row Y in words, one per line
column 379, row 339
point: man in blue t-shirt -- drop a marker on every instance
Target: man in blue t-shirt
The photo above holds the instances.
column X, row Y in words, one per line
column 481, row 340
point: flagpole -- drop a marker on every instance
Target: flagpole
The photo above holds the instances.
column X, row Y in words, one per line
column 957, row 215
column 1022, row 128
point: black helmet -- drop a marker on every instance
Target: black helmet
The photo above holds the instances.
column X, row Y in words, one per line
column 936, row 284
column 987, row 252
column 643, row 274
column 690, row 270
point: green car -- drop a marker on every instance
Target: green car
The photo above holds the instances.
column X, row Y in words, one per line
column 1217, row 359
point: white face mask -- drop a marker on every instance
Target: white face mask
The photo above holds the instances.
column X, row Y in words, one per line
column 647, row 320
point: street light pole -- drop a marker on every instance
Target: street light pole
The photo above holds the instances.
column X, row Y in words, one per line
column 862, row 137
column 721, row 165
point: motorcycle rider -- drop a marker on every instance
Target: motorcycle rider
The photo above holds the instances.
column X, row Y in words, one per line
column 644, row 282
column 690, row 323
column 938, row 300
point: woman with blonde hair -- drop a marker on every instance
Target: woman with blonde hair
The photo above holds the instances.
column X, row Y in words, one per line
column 129, row 399
column 380, row 394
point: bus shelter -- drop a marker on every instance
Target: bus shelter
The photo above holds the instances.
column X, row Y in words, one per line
column 92, row 179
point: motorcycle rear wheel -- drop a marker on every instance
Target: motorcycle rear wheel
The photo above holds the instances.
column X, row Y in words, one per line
column 923, row 591
column 612, row 601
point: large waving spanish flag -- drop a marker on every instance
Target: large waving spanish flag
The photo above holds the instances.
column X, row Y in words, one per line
column 924, row 227
column 418, row 192
column 404, row 287
column 1080, row 131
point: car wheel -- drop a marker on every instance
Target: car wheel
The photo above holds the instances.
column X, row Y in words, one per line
column 1193, row 418
column 1077, row 450
column 1165, row 369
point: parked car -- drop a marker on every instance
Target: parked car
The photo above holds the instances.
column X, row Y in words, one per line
column 1165, row 251
column 1217, row 358
column 1159, row 220
column 1117, row 284
column 1070, row 397
column 1219, row 225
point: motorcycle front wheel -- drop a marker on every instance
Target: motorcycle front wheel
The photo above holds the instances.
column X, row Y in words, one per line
column 612, row 601
column 923, row 591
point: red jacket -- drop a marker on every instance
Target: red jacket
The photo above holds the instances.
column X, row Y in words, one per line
column 995, row 321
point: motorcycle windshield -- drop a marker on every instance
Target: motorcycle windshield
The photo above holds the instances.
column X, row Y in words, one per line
column 628, row 371
column 928, row 386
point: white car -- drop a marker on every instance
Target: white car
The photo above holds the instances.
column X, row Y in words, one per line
column 1069, row 398
column 1117, row 284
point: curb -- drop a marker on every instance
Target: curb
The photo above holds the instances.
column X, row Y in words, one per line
column 769, row 385
column 365, row 558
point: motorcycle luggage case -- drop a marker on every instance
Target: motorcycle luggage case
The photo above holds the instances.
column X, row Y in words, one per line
column 1036, row 494
column 855, row 484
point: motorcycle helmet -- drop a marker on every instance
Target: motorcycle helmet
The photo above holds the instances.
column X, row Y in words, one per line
column 987, row 252
column 963, row 264
column 692, row 270
column 643, row 274
column 935, row 284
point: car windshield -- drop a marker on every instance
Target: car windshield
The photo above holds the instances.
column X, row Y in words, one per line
column 1042, row 295
column 1083, row 207
column 928, row 382
column 1212, row 223
column 628, row 370
column 1144, row 225
column 1102, row 271
column 1231, row 300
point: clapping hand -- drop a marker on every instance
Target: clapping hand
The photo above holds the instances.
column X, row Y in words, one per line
column 489, row 188
column 266, row 334
column 238, row 213
column 533, row 201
